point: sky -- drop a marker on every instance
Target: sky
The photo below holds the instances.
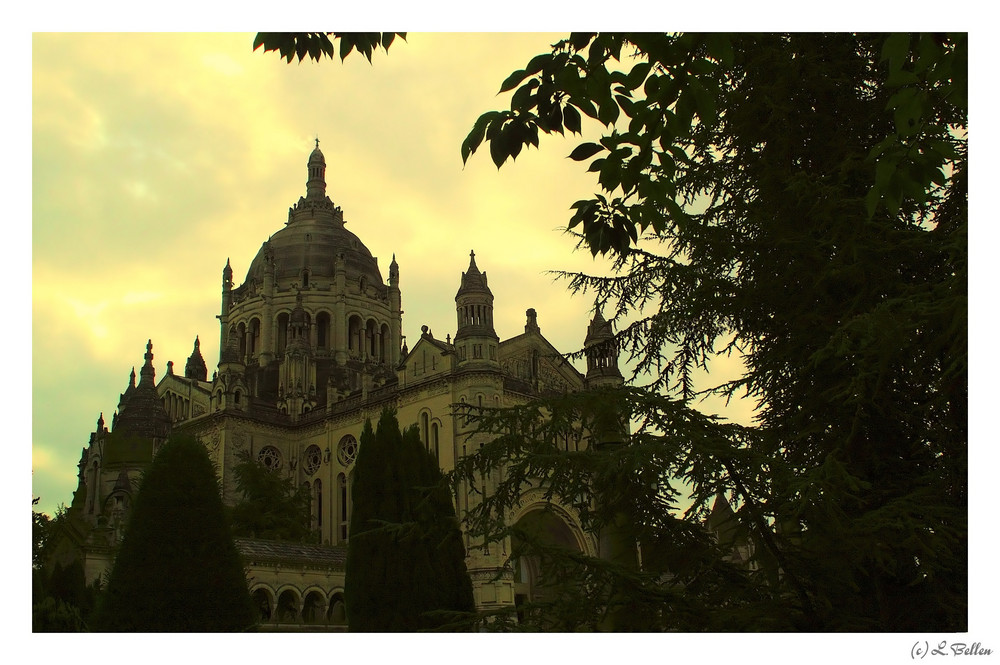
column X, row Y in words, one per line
column 158, row 157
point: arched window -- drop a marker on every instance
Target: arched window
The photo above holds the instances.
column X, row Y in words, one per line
column 312, row 608
column 318, row 498
column 254, row 331
column 263, row 601
column 312, row 504
column 323, row 330
column 371, row 338
column 424, row 431
column 385, row 355
column 282, row 338
column 354, row 341
column 288, row 607
column 344, row 509
column 435, row 444
column 241, row 339
column 338, row 611
column 94, row 489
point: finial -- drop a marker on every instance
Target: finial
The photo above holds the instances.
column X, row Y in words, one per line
column 197, row 343
column 317, row 142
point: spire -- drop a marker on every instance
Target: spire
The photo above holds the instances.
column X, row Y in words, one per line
column 147, row 374
column 601, row 349
column 473, row 279
column 393, row 272
column 316, row 184
column 196, row 367
column 141, row 412
column 227, row 272
column 474, row 306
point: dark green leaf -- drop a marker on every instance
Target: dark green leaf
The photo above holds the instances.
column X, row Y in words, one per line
column 513, row 80
column 585, row 150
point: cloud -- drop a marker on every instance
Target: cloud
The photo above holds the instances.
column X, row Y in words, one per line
column 157, row 157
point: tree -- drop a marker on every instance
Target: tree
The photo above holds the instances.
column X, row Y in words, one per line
column 406, row 560
column 177, row 568
column 799, row 202
column 41, row 528
column 803, row 200
column 272, row 506
column 61, row 599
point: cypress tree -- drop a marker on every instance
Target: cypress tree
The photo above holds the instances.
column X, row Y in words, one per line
column 177, row 569
column 406, row 561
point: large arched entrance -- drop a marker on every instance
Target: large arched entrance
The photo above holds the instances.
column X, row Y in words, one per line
column 539, row 532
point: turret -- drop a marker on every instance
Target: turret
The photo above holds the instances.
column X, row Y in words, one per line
column 196, row 367
column 140, row 411
column 602, row 352
column 475, row 339
column 316, row 184
column 227, row 303
column 396, row 308
column 229, row 389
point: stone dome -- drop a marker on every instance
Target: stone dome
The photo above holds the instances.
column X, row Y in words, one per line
column 314, row 245
column 313, row 238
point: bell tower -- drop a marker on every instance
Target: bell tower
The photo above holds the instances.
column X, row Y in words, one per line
column 602, row 353
column 475, row 340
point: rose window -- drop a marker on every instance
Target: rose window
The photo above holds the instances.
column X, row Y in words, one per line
column 312, row 460
column 347, row 450
column 270, row 457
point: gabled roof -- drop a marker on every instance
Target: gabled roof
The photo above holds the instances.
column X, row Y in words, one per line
column 534, row 338
column 279, row 551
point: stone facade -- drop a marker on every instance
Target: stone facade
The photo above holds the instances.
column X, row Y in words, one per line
column 311, row 347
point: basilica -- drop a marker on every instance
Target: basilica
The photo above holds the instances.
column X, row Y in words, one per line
column 312, row 344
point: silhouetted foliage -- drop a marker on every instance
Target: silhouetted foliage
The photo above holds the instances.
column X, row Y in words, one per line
column 406, row 560
column 319, row 44
column 41, row 526
column 177, row 568
column 61, row 599
column 272, row 507
column 803, row 200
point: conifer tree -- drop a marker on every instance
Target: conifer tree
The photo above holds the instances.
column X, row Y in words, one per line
column 177, row 568
column 406, row 561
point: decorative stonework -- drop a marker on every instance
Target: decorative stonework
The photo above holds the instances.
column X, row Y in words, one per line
column 270, row 457
column 239, row 440
column 312, row 461
column 347, row 450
